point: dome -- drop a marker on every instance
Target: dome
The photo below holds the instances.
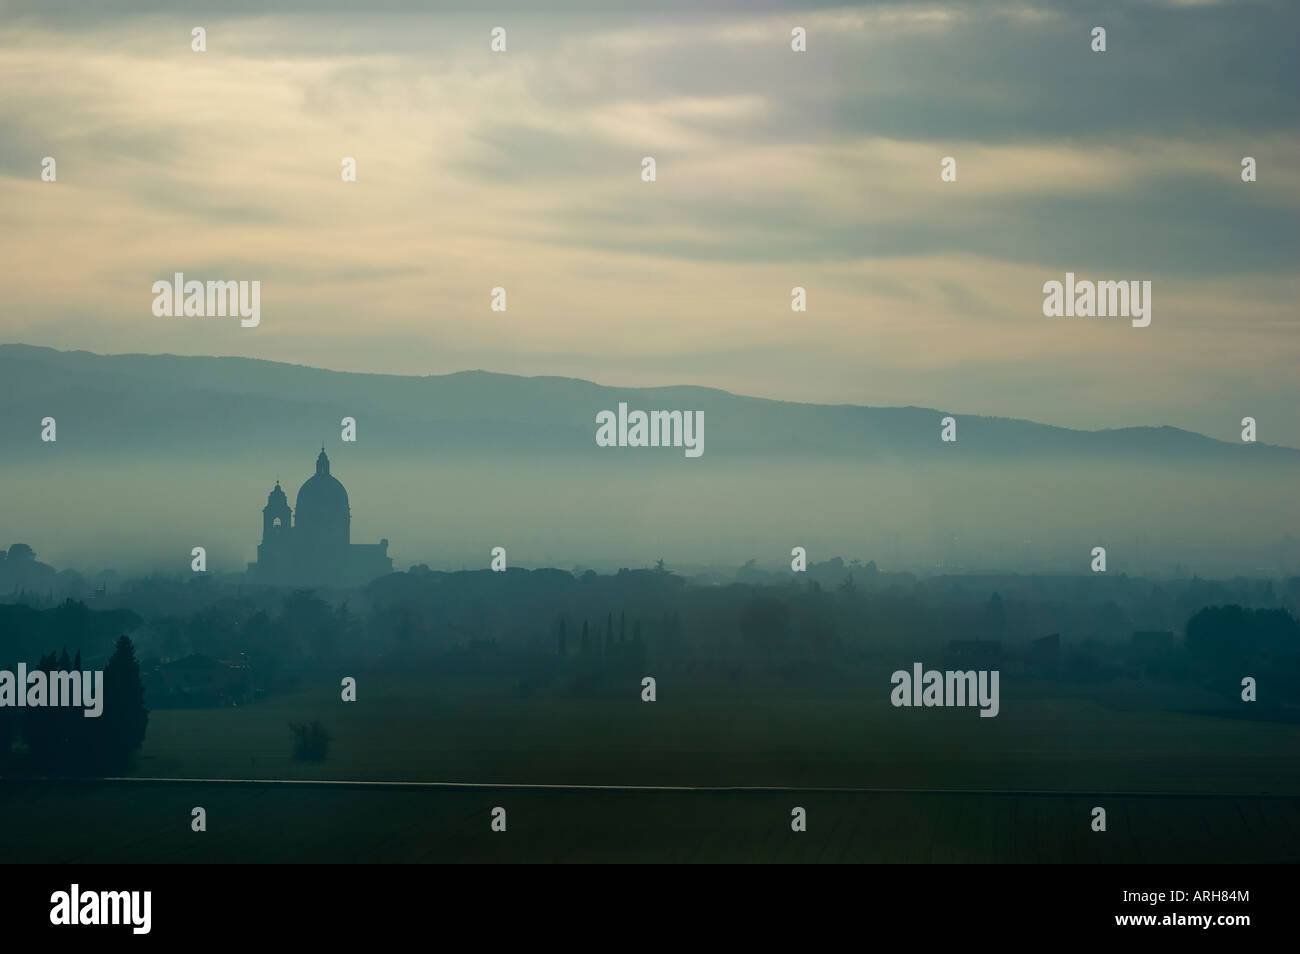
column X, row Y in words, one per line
column 322, row 494
column 321, row 513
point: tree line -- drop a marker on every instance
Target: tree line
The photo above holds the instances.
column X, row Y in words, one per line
column 61, row 740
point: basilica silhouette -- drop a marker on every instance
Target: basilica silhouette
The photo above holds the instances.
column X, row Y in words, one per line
column 313, row 543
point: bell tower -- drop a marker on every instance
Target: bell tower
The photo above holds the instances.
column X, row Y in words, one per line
column 276, row 517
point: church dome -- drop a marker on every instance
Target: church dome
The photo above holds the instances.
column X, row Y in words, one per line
column 321, row 512
column 321, row 494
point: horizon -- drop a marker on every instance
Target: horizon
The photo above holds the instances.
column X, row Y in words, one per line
column 449, row 466
column 1100, row 428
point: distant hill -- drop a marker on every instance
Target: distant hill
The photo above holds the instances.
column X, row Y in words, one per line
column 167, row 404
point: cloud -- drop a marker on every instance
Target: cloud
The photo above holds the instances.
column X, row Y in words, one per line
column 775, row 169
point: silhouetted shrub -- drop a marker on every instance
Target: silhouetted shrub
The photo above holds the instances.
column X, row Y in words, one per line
column 311, row 743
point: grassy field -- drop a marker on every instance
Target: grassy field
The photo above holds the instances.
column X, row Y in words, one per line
column 484, row 731
column 1100, row 751
column 151, row 823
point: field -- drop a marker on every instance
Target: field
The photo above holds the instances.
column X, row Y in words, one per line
column 1176, row 787
column 107, row 822
column 486, row 731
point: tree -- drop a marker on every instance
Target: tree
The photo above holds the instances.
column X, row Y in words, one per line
column 638, row 647
column 1226, row 642
column 995, row 617
column 764, row 623
column 122, row 725
column 349, row 626
column 6, row 735
column 73, row 740
column 311, row 743
column 42, row 727
column 309, row 626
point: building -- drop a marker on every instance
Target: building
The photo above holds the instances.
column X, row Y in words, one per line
column 312, row 544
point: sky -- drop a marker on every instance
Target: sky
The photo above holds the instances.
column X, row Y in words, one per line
column 821, row 169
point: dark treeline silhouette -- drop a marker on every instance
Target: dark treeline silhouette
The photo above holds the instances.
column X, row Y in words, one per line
column 25, row 579
column 26, row 632
column 203, row 642
column 617, row 654
column 62, row 740
column 1226, row 643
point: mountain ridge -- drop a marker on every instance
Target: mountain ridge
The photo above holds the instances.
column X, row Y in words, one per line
column 538, row 411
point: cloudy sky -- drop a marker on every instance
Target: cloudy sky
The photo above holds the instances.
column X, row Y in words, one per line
column 775, row 169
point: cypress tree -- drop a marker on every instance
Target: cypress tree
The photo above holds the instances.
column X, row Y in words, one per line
column 122, row 725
